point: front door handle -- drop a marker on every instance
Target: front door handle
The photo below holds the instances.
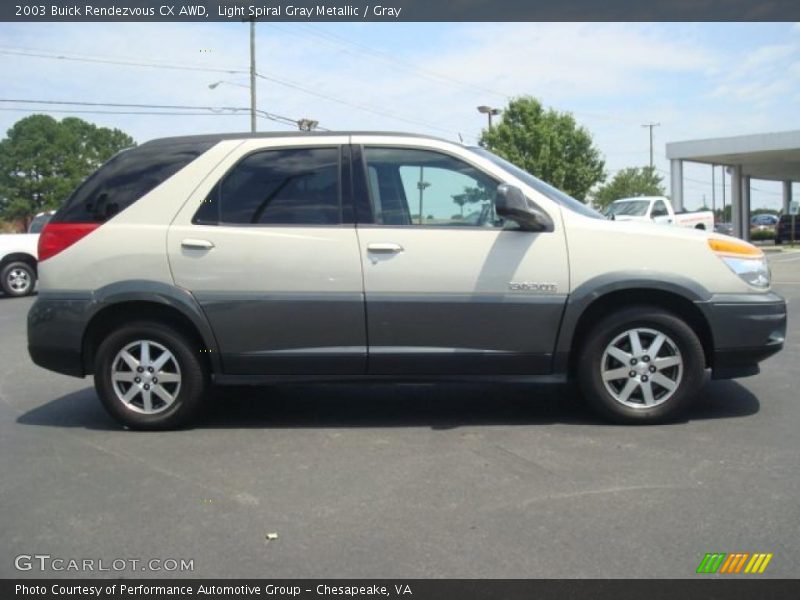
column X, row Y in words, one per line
column 197, row 244
column 386, row 248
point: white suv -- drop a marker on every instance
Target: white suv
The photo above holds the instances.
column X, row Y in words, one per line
column 262, row 258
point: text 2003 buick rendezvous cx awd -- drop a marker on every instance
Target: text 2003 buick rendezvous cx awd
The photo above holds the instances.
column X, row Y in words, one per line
column 257, row 258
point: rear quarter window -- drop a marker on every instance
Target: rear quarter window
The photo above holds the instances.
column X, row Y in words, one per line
column 124, row 179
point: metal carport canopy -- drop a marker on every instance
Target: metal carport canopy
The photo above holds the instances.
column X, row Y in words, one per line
column 771, row 156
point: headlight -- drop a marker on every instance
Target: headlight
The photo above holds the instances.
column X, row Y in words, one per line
column 744, row 259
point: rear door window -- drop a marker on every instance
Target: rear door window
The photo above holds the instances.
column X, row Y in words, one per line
column 290, row 186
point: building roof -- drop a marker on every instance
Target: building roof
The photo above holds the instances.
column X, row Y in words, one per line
column 762, row 156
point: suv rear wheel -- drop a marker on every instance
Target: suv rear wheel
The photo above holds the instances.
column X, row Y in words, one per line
column 18, row 279
column 150, row 376
column 641, row 365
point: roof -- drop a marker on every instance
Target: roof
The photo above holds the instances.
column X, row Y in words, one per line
column 219, row 137
column 641, row 198
column 762, row 155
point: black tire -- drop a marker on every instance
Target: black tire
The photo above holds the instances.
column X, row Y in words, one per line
column 28, row 279
column 591, row 358
column 192, row 370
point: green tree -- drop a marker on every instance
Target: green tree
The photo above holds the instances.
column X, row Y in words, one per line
column 472, row 195
column 548, row 144
column 42, row 160
column 629, row 183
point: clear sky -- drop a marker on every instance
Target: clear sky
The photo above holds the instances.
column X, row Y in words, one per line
column 697, row 79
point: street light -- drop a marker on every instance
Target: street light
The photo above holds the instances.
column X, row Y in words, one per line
column 307, row 124
column 489, row 112
column 216, row 84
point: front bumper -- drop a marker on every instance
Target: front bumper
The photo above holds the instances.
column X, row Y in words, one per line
column 746, row 329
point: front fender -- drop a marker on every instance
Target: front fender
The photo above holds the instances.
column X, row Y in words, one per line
column 583, row 296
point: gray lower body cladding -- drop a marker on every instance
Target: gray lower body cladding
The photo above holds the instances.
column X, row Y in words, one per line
column 400, row 336
column 452, row 334
column 746, row 329
column 403, row 334
column 55, row 332
column 295, row 335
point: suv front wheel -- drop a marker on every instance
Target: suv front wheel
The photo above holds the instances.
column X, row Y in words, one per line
column 641, row 365
column 150, row 376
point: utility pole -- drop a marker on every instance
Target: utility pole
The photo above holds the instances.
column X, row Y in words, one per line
column 421, row 185
column 650, row 126
column 252, row 75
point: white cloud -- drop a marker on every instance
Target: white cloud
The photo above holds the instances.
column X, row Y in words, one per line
column 761, row 77
column 698, row 80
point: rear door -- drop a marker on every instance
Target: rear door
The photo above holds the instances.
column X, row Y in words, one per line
column 268, row 247
column 450, row 288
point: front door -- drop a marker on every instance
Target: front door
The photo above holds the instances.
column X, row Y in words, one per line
column 450, row 288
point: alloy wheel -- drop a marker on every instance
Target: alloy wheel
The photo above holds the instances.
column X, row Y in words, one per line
column 146, row 377
column 641, row 368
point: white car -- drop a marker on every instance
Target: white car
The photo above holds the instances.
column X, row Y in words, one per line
column 18, row 258
column 346, row 256
column 658, row 209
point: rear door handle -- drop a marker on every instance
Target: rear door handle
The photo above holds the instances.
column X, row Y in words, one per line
column 386, row 248
column 197, row 244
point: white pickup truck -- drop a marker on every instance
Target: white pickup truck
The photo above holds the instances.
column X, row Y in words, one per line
column 19, row 256
column 658, row 209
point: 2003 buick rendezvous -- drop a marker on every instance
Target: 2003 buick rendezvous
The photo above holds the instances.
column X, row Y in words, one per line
column 257, row 258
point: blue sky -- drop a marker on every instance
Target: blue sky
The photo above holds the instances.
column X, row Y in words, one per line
column 697, row 79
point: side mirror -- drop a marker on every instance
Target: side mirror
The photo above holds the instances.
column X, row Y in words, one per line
column 511, row 203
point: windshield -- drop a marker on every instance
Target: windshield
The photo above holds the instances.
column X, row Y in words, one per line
column 540, row 186
column 38, row 223
column 633, row 208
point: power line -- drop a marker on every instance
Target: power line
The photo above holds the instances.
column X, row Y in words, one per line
column 119, row 112
column 279, row 81
column 119, row 61
column 369, row 109
column 377, row 54
column 151, row 63
column 408, row 66
column 213, row 110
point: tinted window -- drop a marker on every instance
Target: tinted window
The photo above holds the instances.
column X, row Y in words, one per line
column 125, row 178
column 298, row 186
column 659, row 209
column 38, row 223
column 419, row 187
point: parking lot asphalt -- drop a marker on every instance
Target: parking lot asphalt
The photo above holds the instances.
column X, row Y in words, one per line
column 401, row 481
